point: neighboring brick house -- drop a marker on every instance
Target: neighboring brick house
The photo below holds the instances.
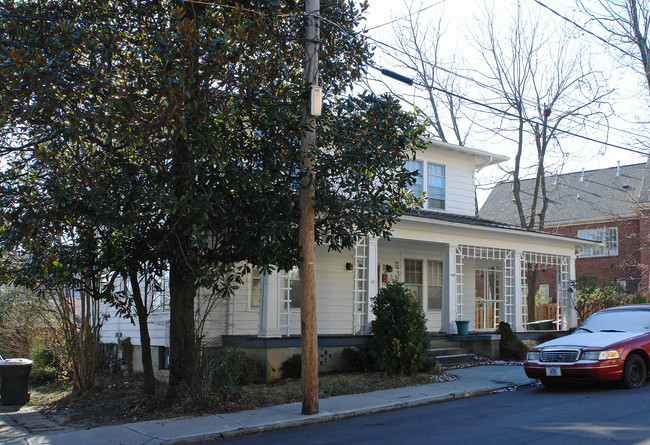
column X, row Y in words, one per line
column 611, row 205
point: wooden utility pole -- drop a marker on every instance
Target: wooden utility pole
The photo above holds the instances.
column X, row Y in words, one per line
column 308, row 331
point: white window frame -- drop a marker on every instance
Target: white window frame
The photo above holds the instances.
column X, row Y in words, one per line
column 444, row 187
column 424, row 285
column 430, row 285
column 255, row 274
column 412, row 286
column 423, row 186
column 294, row 284
column 160, row 297
column 607, row 236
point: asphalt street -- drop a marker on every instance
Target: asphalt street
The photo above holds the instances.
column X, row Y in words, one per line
column 536, row 415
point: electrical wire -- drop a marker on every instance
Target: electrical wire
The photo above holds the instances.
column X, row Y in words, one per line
column 490, row 88
column 406, row 16
column 484, row 86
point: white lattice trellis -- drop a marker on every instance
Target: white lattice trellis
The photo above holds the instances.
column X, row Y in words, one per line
column 506, row 257
column 561, row 262
column 360, row 292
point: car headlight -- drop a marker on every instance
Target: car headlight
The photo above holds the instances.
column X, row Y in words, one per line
column 532, row 355
column 600, row 355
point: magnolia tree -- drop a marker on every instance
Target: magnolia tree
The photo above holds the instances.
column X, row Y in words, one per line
column 165, row 135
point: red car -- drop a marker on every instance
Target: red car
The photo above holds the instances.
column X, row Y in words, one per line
column 611, row 345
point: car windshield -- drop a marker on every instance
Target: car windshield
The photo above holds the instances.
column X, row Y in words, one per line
column 622, row 320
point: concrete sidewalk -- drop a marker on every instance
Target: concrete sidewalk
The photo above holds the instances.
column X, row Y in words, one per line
column 21, row 427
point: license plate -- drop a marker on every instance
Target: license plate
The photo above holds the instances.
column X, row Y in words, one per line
column 554, row 371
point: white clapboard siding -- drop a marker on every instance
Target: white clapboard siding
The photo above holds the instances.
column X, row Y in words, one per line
column 459, row 170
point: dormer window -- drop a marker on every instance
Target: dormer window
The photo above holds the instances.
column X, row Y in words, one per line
column 434, row 178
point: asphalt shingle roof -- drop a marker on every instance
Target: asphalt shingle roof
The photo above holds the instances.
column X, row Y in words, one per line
column 474, row 221
column 598, row 195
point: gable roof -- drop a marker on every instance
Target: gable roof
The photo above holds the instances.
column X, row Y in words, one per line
column 594, row 195
column 482, row 158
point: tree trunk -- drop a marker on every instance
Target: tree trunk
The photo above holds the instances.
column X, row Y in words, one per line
column 183, row 356
column 149, row 384
column 532, row 273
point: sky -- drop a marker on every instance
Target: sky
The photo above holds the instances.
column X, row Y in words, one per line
column 461, row 21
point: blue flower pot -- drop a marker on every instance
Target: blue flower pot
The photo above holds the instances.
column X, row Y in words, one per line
column 462, row 326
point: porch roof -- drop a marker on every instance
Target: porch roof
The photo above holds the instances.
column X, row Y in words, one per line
column 486, row 223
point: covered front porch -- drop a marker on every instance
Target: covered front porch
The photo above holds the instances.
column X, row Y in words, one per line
column 475, row 272
column 462, row 269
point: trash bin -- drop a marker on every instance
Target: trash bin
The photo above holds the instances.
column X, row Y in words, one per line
column 14, row 374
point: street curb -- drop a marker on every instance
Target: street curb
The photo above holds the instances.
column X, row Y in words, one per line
column 321, row 418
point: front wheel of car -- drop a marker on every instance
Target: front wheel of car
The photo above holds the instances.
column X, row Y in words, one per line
column 634, row 372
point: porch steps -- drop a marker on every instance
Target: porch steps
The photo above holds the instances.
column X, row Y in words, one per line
column 448, row 352
column 450, row 356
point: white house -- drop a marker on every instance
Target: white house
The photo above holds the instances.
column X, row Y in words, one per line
column 463, row 267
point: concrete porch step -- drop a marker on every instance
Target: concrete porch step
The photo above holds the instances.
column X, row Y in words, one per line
column 437, row 344
column 450, row 350
column 455, row 359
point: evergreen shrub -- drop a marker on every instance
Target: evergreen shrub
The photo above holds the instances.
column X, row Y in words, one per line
column 400, row 339
column 510, row 347
column 230, row 370
column 292, row 367
column 45, row 367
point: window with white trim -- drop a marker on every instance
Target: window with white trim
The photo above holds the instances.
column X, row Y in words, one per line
column 608, row 237
column 434, row 285
column 416, row 166
column 427, row 286
column 434, row 176
column 413, row 276
column 294, row 282
column 435, row 186
column 255, row 288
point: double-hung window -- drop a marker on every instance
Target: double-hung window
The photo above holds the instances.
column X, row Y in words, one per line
column 434, row 285
column 416, row 166
column 607, row 236
column 434, row 176
column 436, row 186
column 427, row 287
column 294, row 282
column 255, row 288
column 413, row 276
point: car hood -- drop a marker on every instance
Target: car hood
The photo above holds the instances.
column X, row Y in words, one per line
column 591, row 340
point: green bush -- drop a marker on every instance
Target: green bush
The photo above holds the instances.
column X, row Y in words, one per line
column 358, row 359
column 45, row 367
column 590, row 295
column 400, row 339
column 229, row 370
column 292, row 367
column 510, row 347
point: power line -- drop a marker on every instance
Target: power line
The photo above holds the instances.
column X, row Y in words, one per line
column 487, row 87
column 407, row 16
column 582, row 28
column 525, row 119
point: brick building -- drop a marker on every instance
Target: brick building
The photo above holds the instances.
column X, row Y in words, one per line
column 610, row 205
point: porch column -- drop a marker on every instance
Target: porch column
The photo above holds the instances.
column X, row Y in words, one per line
column 373, row 279
column 270, row 306
column 448, row 315
column 518, row 309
